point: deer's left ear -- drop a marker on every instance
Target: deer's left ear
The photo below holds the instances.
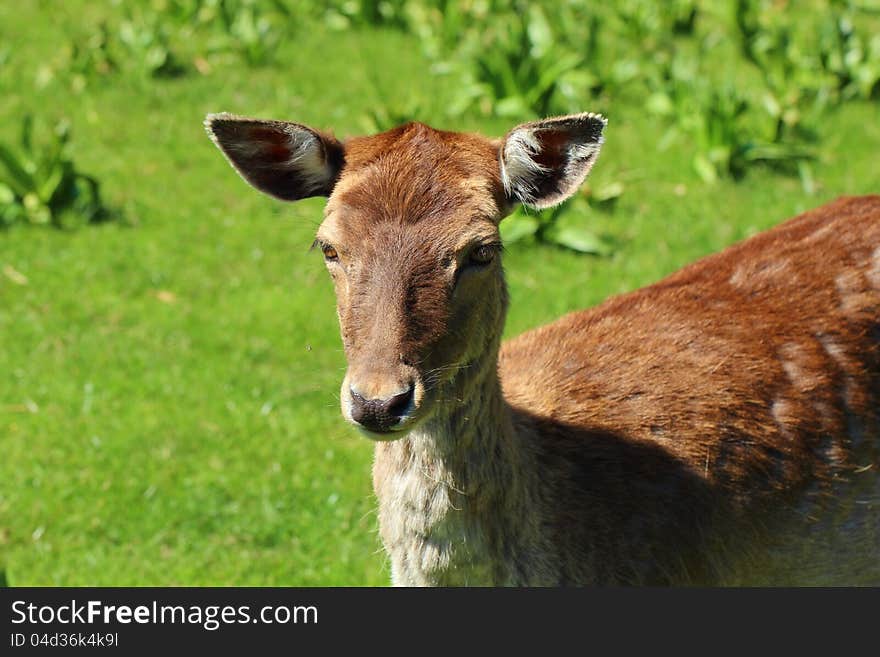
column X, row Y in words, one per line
column 286, row 160
column 544, row 162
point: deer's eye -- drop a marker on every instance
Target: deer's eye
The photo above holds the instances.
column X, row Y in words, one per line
column 330, row 254
column 483, row 255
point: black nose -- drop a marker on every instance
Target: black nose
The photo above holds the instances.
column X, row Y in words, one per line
column 380, row 415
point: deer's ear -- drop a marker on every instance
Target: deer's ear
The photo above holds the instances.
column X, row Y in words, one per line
column 285, row 160
column 544, row 162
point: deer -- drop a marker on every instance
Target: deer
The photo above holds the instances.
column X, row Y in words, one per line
column 717, row 428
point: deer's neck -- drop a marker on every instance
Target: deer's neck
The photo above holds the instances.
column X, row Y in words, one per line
column 454, row 495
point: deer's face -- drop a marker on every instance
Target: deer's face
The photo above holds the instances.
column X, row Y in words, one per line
column 411, row 242
column 410, row 239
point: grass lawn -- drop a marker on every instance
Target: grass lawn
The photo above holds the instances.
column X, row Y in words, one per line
column 168, row 382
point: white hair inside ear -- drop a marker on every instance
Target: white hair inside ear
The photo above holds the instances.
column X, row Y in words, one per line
column 286, row 160
column 544, row 162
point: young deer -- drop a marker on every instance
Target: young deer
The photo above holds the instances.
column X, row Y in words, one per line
column 718, row 427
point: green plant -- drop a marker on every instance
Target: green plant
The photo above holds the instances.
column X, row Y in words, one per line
column 840, row 63
column 645, row 21
column 793, row 77
column 144, row 36
column 727, row 139
column 562, row 226
column 680, row 15
column 756, row 34
column 90, row 57
column 254, row 29
column 851, row 57
column 342, row 14
column 40, row 184
column 384, row 115
column 256, row 35
column 730, row 130
column 521, row 70
column 448, row 28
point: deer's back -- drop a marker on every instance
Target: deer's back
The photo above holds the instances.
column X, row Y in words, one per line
column 739, row 394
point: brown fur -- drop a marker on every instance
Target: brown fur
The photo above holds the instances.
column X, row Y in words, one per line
column 720, row 426
column 754, row 374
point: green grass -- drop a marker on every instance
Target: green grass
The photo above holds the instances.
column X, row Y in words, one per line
column 168, row 382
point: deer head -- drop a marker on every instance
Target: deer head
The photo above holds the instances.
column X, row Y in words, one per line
column 410, row 238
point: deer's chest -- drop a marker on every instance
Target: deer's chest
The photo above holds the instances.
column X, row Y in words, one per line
column 430, row 530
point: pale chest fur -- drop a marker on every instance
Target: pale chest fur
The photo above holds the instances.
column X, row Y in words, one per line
column 457, row 505
column 426, row 520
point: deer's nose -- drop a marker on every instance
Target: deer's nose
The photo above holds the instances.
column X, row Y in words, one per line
column 380, row 415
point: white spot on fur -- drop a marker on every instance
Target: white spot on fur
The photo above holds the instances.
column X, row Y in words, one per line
column 850, row 290
column 738, row 277
column 854, row 423
column 755, row 275
column 783, row 415
column 791, row 356
column 873, row 273
column 834, row 349
column 822, row 233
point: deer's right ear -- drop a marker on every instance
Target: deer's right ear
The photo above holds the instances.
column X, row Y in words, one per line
column 285, row 160
column 544, row 162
